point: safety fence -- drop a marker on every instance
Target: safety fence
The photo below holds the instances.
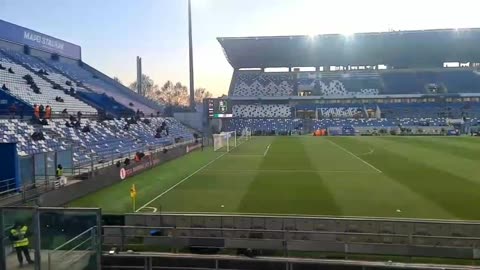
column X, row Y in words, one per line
column 58, row 238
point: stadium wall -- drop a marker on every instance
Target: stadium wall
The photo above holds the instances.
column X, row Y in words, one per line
column 109, row 176
column 191, row 119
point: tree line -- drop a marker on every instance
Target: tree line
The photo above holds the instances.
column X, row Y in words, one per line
column 175, row 96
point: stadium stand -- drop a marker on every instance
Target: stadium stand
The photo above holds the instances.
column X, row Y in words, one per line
column 255, row 111
column 341, row 84
column 342, row 92
column 98, row 85
column 254, row 84
column 19, row 88
column 106, row 140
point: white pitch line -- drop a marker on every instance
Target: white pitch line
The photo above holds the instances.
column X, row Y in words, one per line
column 367, row 153
column 266, row 150
column 154, row 209
column 181, row 181
column 246, row 155
column 355, row 156
column 281, row 171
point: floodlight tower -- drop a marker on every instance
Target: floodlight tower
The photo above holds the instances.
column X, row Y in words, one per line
column 190, row 50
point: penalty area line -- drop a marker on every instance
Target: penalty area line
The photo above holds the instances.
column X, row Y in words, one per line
column 355, row 156
column 266, row 150
column 181, row 181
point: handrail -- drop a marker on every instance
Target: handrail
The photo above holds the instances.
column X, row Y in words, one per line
column 285, row 231
column 75, row 238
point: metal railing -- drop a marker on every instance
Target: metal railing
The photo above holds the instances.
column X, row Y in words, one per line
column 7, row 186
column 286, row 241
column 74, row 250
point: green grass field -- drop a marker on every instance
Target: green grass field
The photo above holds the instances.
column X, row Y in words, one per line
column 423, row 177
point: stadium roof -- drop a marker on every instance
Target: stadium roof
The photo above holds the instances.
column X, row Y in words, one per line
column 427, row 48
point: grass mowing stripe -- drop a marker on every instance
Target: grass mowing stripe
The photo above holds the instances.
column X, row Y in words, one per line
column 277, row 192
column 462, row 150
column 454, row 194
column 355, row 156
column 181, row 181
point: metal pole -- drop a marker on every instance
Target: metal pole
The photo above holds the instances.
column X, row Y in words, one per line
column 3, row 264
column 37, row 237
column 99, row 238
column 190, row 50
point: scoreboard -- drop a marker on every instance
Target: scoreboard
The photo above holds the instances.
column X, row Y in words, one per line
column 219, row 108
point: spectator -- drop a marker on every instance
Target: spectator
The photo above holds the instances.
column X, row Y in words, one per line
column 2, row 67
column 126, row 127
column 86, row 129
column 48, row 112
column 38, row 136
column 42, row 110
column 68, row 124
column 158, row 114
column 10, row 70
column 69, row 83
column 77, row 124
column 72, row 118
column 71, row 92
column 167, row 131
column 158, row 135
column 43, row 122
column 151, row 115
column 65, row 112
column 13, row 110
column 79, row 115
column 139, row 156
column 4, row 88
column 36, row 111
column 21, row 111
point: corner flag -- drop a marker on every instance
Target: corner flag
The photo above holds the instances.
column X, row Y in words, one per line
column 133, row 195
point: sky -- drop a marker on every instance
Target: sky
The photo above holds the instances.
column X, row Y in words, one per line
column 113, row 32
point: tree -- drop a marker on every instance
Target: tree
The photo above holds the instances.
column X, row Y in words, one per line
column 149, row 88
column 200, row 94
column 117, row 80
column 172, row 94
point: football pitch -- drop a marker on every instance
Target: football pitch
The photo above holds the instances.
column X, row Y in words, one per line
column 404, row 177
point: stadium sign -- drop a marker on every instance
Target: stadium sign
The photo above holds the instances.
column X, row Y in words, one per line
column 339, row 112
column 146, row 163
column 24, row 36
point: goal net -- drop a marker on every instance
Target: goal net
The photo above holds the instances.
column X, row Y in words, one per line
column 245, row 135
column 224, row 141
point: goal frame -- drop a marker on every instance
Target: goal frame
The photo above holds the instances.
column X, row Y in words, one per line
column 224, row 140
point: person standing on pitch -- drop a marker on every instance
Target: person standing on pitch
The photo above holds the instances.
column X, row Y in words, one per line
column 19, row 236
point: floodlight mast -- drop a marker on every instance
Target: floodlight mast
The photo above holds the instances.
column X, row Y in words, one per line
column 190, row 50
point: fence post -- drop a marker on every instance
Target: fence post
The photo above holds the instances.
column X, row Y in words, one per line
column 38, row 244
column 122, row 238
column 3, row 265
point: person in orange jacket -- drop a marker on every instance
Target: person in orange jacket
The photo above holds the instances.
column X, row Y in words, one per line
column 36, row 111
column 48, row 112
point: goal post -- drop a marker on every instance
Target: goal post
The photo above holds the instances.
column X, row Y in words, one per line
column 224, row 141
